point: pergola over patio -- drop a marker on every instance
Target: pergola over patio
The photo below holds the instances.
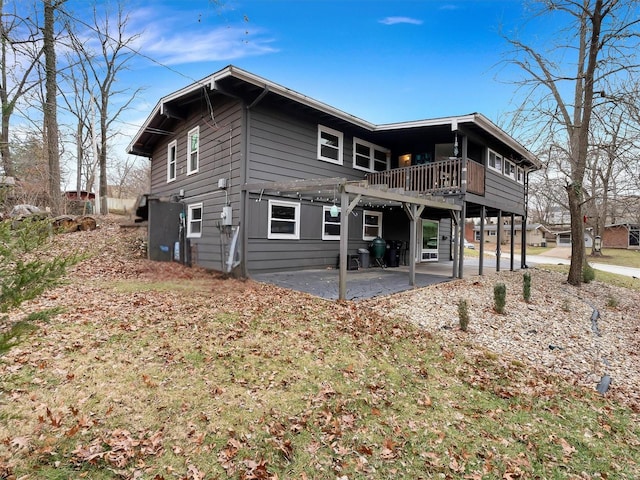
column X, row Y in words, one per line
column 351, row 194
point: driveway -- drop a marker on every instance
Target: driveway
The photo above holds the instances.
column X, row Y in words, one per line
column 562, row 256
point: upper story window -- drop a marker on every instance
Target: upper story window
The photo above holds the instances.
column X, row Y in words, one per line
column 330, row 145
column 495, row 161
column 369, row 157
column 172, row 150
column 284, row 220
column 330, row 225
column 520, row 175
column 371, row 225
column 194, row 220
column 509, row 169
column 193, row 150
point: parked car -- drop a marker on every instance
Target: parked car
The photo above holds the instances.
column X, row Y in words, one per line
column 468, row 244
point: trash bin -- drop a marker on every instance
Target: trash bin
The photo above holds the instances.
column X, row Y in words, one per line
column 393, row 253
column 363, row 254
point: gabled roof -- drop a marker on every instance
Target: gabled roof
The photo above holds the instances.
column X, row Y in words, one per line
column 231, row 75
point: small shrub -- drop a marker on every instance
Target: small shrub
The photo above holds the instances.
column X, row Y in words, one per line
column 463, row 315
column 612, row 302
column 526, row 287
column 499, row 297
column 588, row 273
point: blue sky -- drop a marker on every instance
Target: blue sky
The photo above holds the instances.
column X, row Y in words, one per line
column 381, row 60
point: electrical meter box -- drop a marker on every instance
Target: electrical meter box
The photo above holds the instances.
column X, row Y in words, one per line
column 227, row 216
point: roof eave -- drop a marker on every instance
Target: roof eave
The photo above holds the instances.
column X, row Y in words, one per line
column 475, row 118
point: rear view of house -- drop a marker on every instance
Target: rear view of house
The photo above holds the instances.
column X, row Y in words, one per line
column 250, row 176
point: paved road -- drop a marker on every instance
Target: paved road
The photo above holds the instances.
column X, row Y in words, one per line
column 533, row 260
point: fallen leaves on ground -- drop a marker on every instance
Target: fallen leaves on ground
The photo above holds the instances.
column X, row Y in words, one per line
column 156, row 370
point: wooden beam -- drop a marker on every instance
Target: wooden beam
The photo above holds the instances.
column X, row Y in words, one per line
column 399, row 197
column 296, row 185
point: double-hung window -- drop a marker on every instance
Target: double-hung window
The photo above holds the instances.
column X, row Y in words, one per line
column 194, row 220
column 520, row 175
column 330, row 145
column 509, row 169
column 495, row 161
column 371, row 225
column 330, row 225
column 193, row 150
column 284, row 220
column 369, row 157
column 172, row 150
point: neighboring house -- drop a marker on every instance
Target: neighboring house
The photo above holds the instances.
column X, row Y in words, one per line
column 252, row 176
column 563, row 238
column 535, row 234
column 621, row 235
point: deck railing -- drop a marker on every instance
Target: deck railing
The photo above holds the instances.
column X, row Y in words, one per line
column 445, row 176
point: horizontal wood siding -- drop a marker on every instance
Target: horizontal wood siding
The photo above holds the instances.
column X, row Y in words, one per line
column 220, row 157
column 310, row 251
column 503, row 193
column 284, row 147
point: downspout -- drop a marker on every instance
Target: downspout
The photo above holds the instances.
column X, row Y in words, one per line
column 525, row 220
column 244, row 177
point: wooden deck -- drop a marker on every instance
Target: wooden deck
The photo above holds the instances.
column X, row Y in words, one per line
column 454, row 175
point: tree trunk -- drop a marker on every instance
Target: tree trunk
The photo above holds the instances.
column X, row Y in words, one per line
column 578, row 253
column 5, row 152
column 50, row 109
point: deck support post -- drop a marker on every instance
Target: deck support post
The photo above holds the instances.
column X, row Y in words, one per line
column 498, row 240
column 483, row 218
column 344, row 244
column 513, row 241
column 456, row 234
column 461, row 239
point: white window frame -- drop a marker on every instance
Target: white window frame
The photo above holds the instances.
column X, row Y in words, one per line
column 520, row 175
column 334, row 221
column 340, row 148
column 496, row 156
column 364, row 225
column 296, row 221
column 193, row 221
column 172, row 161
column 191, row 151
column 373, row 148
column 509, row 169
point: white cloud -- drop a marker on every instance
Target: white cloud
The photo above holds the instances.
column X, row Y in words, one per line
column 397, row 20
column 196, row 36
column 224, row 43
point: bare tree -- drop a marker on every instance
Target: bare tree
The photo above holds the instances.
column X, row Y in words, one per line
column 51, row 105
column 79, row 101
column 129, row 178
column 613, row 153
column 102, row 66
column 600, row 49
column 20, row 52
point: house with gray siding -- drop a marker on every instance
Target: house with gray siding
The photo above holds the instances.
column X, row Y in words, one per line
column 249, row 176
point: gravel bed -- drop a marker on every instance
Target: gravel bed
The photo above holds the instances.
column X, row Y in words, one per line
column 554, row 331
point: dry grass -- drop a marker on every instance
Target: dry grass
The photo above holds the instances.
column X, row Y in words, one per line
column 157, row 371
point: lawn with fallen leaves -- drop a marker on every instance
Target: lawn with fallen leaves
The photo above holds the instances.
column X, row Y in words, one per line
column 158, row 371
